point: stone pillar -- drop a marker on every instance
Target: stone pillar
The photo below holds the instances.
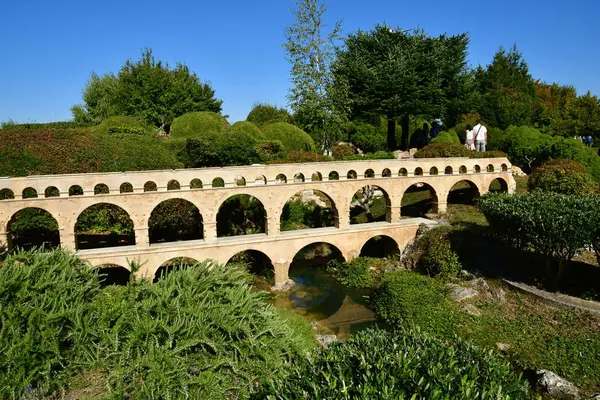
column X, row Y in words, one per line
column 442, row 207
column 393, row 214
column 210, row 231
column 282, row 269
column 272, row 227
column 67, row 239
column 342, row 219
column 4, row 240
column 142, row 237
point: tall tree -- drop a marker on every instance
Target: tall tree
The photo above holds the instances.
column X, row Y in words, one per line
column 507, row 90
column 147, row 89
column 313, row 97
column 394, row 73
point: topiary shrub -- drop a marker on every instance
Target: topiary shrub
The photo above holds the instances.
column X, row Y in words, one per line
column 436, row 255
column 263, row 114
column 292, row 137
column 197, row 124
column 342, row 150
column 301, row 157
column 216, row 150
column 401, row 364
column 446, row 137
column 488, row 154
column 366, row 137
column 378, row 155
column 123, row 124
column 248, row 128
column 442, row 150
column 407, row 298
column 563, row 176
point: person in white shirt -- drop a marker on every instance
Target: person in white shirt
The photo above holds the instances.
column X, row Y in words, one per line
column 480, row 133
column 469, row 138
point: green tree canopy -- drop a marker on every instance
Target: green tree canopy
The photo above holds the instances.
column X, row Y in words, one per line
column 148, row 89
column 396, row 74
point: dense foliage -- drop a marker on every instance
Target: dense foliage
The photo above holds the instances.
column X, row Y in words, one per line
column 437, row 257
column 563, row 176
column 402, row 364
column 220, row 150
column 147, row 89
column 292, row 137
column 361, row 272
column 247, row 128
column 123, row 124
column 442, row 150
column 197, row 333
column 198, row 124
column 263, row 114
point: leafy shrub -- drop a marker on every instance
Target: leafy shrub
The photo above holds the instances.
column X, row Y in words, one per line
column 378, row 155
column 407, row 298
column 442, row 150
column 436, row 255
column 299, row 214
column 104, row 218
column 356, row 273
column 342, row 150
column 269, row 150
column 446, row 137
column 292, row 137
column 263, row 114
column 198, row 124
column 488, row 154
column 248, row 128
column 215, row 150
column 201, row 331
column 366, row 137
column 47, row 125
column 123, row 124
column 402, row 364
column 563, row 176
column 302, row 157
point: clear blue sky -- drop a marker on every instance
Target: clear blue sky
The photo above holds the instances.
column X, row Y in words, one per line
column 49, row 48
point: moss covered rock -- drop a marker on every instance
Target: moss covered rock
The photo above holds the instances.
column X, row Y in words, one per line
column 292, row 137
column 196, row 124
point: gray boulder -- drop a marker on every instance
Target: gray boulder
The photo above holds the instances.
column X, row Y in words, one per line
column 326, row 340
column 556, row 387
column 459, row 293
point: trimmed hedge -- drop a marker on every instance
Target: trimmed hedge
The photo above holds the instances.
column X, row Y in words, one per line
column 446, row 137
column 123, row 124
column 43, row 125
column 401, row 364
column 443, row 150
column 563, row 176
column 248, row 128
column 292, row 137
column 197, row 124
column 263, row 114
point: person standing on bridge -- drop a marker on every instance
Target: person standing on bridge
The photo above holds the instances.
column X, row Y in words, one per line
column 480, row 133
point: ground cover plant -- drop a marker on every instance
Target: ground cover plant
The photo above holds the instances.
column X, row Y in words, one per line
column 200, row 332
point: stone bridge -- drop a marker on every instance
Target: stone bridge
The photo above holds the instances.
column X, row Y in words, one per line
column 65, row 197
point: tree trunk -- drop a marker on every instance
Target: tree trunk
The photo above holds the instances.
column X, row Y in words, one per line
column 405, row 123
column 391, row 135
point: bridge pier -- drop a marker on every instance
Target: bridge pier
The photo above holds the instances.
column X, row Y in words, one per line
column 272, row 226
column 282, row 269
column 4, row 240
column 67, row 240
column 142, row 237
column 210, row 231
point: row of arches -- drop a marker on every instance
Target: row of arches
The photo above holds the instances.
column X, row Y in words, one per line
column 151, row 186
column 259, row 263
column 107, row 225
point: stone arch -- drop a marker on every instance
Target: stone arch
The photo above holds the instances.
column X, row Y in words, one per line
column 351, row 174
column 369, row 173
column 476, row 169
column 260, row 180
column 448, row 170
column 419, row 199
column 280, row 178
column 175, row 220
column 241, row 214
column 504, row 167
column 113, row 274
column 32, row 227
column 195, row 184
column 257, row 263
column 101, row 188
column 173, row 185
column 498, row 185
column 371, row 203
column 29, row 193
column 433, row 171
column 51, row 191
column 316, row 177
column 299, row 177
column 218, row 182
column 380, row 246
column 150, row 186
column 309, row 209
column 7, row 194
column 386, row 173
column 333, row 176
column 403, row 172
column 462, row 169
column 463, row 192
column 75, row 190
column 240, row 181
column 490, row 168
column 418, row 171
column 103, row 225
column 171, row 265
column 126, row 187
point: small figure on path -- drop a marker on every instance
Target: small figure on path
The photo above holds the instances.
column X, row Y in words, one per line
column 469, row 138
column 480, row 133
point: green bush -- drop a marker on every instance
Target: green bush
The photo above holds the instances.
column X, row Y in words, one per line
column 342, row 150
column 563, row 176
column 292, row 137
column 248, row 128
column 47, row 125
column 198, row 124
column 123, row 124
column 198, row 333
column 263, row 114
column 443, row 150
column 356, row 273
column 402, row 364
column 437, row 257
column 366, row 137
column 298, row 214
column 409, row 298
column 446, row 137
column 378, row 155
column 215, row 150
column 488, row 154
